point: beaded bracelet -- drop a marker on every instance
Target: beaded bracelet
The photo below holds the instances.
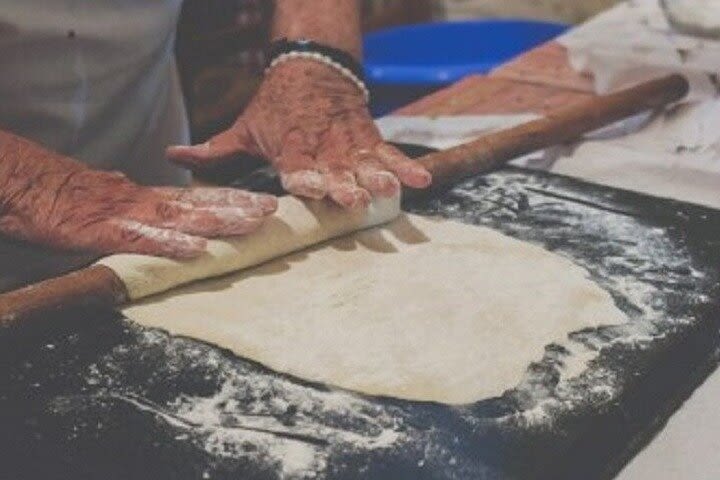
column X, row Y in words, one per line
column 284, row 50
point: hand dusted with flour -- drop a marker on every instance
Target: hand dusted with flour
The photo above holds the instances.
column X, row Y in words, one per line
column 53, row 200
column 311, row 122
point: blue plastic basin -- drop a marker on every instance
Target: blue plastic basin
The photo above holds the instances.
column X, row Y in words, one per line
column 441, row 53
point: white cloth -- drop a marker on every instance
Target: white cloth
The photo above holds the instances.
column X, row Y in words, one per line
column 634, row 42
column 96, row 80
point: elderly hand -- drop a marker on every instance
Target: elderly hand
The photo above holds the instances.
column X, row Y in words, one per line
column 313, row 125
column 56, row 201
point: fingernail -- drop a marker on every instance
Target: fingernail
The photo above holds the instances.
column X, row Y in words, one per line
column 386, row 184
column 417, row 177
column 249, row 225
column 360, row 199
column 268, row 203
column 425, row 178
column 314, row 182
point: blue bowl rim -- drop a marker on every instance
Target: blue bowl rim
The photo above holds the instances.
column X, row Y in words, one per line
column 435, row 74
column 475, row 21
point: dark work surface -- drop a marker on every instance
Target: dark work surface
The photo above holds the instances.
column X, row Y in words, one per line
column 100, row 397
column 22, row 263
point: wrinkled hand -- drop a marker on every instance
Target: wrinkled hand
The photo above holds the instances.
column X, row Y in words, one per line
column 50, row 199
column 313, row 125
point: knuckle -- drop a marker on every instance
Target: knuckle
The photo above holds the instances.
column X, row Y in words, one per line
column 168, row 210
column 128, row 231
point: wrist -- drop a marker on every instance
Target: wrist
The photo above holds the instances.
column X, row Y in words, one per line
column 335, row 23
column 26, row 165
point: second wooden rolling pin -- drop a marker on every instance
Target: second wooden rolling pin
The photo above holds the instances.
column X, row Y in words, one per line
column 98, row 285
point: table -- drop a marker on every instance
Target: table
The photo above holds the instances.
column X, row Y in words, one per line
column 537, row 82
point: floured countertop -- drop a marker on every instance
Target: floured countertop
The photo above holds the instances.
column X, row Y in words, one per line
column 110, row 399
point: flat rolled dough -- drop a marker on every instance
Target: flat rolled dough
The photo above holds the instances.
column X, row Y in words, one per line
column 418, row 309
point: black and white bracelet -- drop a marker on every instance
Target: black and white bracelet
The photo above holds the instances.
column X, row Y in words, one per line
column 283, row 50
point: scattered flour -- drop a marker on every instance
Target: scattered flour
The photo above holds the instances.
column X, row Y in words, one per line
column 261, row 419
column 637, row 263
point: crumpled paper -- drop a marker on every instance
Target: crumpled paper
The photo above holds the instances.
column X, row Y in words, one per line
column 676, row 155
column 634, row 42
column 673, row 154
column 445, row 131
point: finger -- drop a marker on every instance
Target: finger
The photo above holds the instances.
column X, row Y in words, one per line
column 377, row 180
column 129, row 236
column 305, row 183
column 218, row 222
column 219, row 149
column 201, row 221
column 344, row 190
column 261, row 203
column 408, row 172
column 297, row 168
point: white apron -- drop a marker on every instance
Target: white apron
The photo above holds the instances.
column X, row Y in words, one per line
column 96, row 80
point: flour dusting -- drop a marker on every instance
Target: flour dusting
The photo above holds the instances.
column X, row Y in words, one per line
column 249, row 416
column 639, row 264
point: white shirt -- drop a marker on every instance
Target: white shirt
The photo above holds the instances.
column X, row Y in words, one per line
column 96, row 80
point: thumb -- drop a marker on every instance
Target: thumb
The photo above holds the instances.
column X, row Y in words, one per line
column 219, row 149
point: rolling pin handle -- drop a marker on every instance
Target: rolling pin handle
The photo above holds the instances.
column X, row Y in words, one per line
column 92, row 286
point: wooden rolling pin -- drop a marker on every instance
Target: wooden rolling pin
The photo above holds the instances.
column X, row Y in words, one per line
column 560, row 126
column 98, row 285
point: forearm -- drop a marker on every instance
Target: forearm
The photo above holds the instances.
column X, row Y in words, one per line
column 331, row 22
column 23, row 158
column 24, row 164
